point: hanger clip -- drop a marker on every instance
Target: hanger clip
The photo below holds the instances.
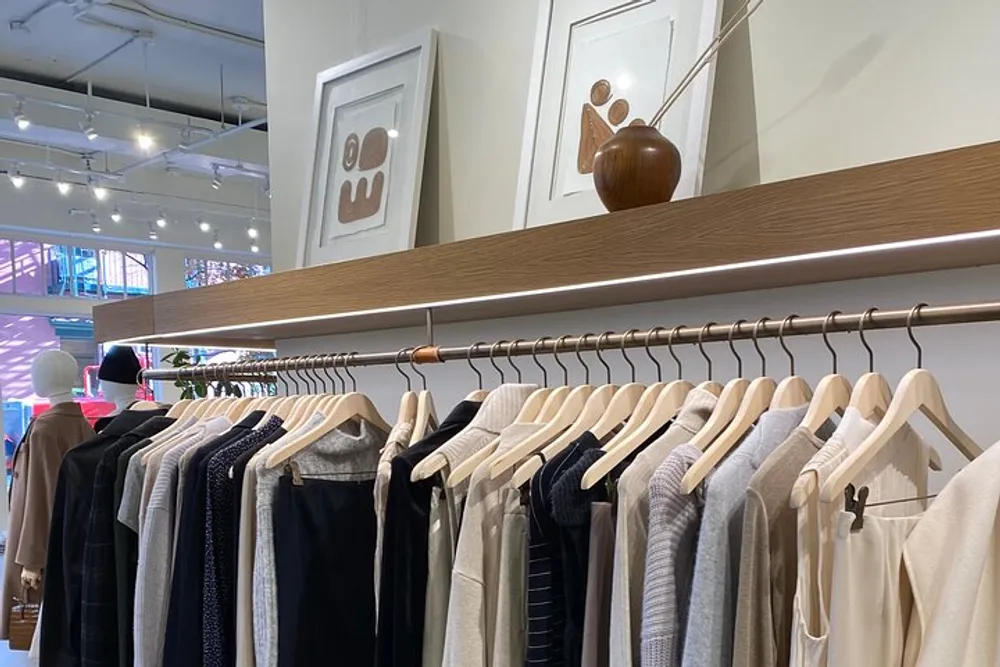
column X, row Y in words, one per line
column 856, row 506
column 292, row 468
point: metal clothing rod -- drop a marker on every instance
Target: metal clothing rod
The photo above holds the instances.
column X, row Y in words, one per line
column 919, row 316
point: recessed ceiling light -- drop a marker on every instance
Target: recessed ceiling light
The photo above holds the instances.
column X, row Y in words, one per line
column 393, row 133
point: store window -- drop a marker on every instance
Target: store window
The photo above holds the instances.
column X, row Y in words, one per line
column 200, row 272
column 41, row 269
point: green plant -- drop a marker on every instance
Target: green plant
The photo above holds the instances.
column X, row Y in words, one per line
column 191, row 389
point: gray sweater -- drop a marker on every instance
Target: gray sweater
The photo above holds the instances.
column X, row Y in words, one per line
column 674, row 518
column 708, row 639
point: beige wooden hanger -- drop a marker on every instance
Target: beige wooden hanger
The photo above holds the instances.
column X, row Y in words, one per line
column 918, row 391
column 793, row 391
column 606, row 408
column 658, row 405
column 353, row 405
column 529, row 412
column 437, row 462
column 571, row 408
column 426, row 419
column 833, row 393
column 756, row 401
column 408, row 402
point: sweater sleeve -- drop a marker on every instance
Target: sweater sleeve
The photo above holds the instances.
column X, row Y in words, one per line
column 44, row 458
column 754, row 642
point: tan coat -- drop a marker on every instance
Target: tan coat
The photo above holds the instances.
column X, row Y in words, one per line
column 36, row 469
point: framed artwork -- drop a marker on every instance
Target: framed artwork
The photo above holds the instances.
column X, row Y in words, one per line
column 370, row 123
column 601, row 65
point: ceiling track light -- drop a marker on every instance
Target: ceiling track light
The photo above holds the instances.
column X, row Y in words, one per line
column 63, row 187
column 217, row 244
column 16, row 178
column 216, row 178
column 116, row 215
column 204, row 226
column 20, row 118
column 87, row 127
column 153, row 236
column 252, row 231
column 144, row 140
column 99, row 192
column 161, row 220
column 254, row 248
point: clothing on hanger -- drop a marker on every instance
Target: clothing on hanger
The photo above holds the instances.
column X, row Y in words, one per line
column 404, row 568
column 185, row 631
column 712, row 616
column 99, row 618
column 632, row 526
column 61, row 628
column 674, row 522
column 769, row 551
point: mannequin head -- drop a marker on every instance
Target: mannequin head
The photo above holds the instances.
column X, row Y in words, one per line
column 119, row 375
column 122, row 395
column 53, row 374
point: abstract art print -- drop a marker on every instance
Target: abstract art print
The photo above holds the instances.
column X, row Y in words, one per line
column 601, row 65
column 371, row 124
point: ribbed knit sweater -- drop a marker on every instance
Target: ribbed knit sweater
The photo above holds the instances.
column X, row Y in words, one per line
column 674, row 519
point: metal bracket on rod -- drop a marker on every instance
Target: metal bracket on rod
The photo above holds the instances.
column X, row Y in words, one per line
column 800, row 326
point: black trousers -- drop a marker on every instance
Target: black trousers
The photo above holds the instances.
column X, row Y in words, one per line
column 324, row 534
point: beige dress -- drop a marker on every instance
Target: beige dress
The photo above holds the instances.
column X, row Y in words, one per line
column 899, row 471
column 36, row 470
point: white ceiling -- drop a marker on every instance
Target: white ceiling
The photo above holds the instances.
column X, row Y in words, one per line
column 183, row 62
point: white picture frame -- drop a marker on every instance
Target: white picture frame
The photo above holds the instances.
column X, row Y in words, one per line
column 590, row 51
column 370, row 119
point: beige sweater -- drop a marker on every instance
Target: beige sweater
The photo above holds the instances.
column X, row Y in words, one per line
column 953, row 560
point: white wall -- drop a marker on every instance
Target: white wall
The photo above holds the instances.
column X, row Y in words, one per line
column 964, row 358
column 477, row 115
column 812, row 86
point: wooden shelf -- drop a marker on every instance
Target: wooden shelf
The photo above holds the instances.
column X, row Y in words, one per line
column 789, row 233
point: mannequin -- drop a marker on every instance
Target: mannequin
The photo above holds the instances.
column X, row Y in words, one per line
column 36, row 469
column 119, row 376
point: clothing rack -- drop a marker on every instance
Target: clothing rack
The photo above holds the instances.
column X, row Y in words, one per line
column 791, row 325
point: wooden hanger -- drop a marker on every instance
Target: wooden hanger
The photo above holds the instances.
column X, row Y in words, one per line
column 668, row 399
column 408, row 402
column 426, row 419
column 658, row 405
column 607, row 407
column 353, row 405
column 569, row 410
column 918, row 391
column 833, row 393
column 793, row 391
column 730, row 397
column 530, row 411
column 756, row 401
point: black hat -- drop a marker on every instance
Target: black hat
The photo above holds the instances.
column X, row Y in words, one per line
column 120, row 365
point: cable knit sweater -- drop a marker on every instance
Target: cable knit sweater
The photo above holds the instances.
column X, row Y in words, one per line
column 674, row 519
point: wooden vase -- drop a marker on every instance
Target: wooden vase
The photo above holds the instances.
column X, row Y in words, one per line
column 636, row 167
